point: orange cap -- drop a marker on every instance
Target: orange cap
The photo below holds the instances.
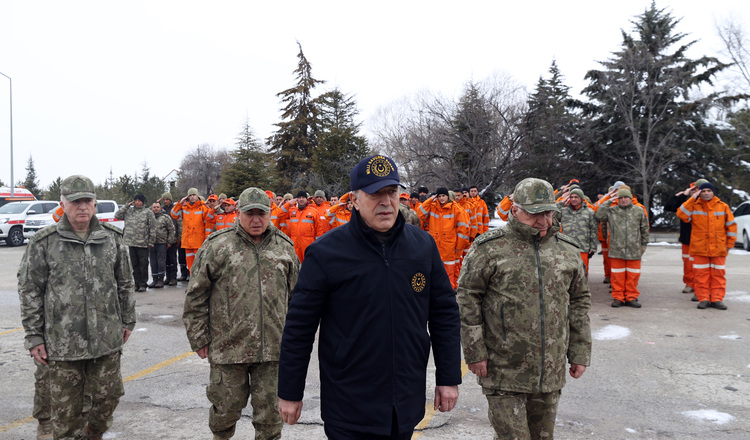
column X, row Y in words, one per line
column 213, row 197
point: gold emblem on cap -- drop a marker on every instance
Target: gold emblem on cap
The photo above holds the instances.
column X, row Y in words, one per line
column 418, row 282
column 379, row 166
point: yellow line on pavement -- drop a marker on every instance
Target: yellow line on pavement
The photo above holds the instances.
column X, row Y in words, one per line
column 135, row 376
column 11, row 331
column 157, row 366
column 429, row 408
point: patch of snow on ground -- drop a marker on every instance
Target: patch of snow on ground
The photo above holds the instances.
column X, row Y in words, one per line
column 732, row 336
column 141, row 329
column 631, row 430
column 739, row 252
column 611, row 332
column 738, row 295
column 709, row 415
column 165, row 316
column 665, row 243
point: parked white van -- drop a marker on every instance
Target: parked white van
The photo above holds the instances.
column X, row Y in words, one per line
column 105, row 212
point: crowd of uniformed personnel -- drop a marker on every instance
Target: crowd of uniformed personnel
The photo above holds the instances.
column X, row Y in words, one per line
column 227, row 245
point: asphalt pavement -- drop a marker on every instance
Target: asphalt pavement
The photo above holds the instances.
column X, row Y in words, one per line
column 665, row 371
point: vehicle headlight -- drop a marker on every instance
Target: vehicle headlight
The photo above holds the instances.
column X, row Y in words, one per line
column 3, row 221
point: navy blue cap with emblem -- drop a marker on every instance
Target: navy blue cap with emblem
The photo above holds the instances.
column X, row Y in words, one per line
column 373, row 173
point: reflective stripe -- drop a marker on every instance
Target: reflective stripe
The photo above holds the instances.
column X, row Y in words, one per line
column 432, row 214
column 685, row 255
column 719, row 213
column 618, row 270
column 190, row 254
column 628, row 269
column 699, row 213
column 463, row 236
column 732, row 234
column 449, row 262
column 304, row 220
column 719, row 266
column 294, row 220
column 449, row 216
column 701, row 266
column 462, row 224
column 688, row 213
column 422, row 209
column 730, row 223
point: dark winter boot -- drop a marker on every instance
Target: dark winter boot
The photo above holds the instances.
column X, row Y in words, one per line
column 152, row 284
column 172, row 282
column 159, row 282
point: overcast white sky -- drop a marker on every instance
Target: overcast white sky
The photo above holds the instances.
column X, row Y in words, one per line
column 100, row 85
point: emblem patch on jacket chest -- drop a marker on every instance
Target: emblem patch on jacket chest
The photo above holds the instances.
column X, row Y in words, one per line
column 418, row 282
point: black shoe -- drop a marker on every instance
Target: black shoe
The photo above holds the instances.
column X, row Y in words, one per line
column 606, row 280
column 694, row 298
column 633, row 303
column 172, row 282
column 617, row 303
column 703, row 304
column 718, row 305
column 152, row 284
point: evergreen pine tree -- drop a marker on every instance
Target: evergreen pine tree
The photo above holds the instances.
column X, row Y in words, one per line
column 645, row 114
column 340, row 146
column 249, row 166
column 294, row 143
column 31, row 182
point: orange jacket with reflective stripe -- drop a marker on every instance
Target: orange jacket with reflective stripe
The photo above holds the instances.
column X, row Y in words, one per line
column 225, row 220
column 714, row 230
column 468, row 206
column 194, row 218
column 449, row 226
column 338, row 215
column 304, row 226
column 483, row 213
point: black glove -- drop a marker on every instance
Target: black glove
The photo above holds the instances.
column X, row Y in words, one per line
column 591, row 254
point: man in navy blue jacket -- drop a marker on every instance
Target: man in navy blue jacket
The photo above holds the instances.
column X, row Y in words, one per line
column 378, row 289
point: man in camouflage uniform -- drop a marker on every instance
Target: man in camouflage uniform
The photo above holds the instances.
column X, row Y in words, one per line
column 75, row 286
column 579, row 223
column 627, row 226
column 139, row 235
column 165, row 238
column 235, row 311
column 524, row 301
column 172, row 251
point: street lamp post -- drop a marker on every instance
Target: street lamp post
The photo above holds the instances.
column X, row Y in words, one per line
column 12, row 185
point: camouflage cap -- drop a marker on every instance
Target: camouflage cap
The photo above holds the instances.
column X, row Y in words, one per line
column 535, row 196
column 254, row 198
column 167, row 195
column 78, row 187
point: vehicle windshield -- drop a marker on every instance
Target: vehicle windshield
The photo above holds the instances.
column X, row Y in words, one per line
column 13, row 208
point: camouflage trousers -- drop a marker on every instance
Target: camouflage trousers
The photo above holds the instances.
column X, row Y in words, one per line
column 70, row 381
column 519, row 416
column 42, row 395
column 229, row 387
column 41, row 392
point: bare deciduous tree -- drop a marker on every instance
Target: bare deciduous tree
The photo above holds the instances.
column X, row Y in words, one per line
column 202, row 168
column 441, row 142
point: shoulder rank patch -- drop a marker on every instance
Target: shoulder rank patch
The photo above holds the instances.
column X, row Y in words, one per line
column 569, row 239
column 112, row 228
column 491, row 235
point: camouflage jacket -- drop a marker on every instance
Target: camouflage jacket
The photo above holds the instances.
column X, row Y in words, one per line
column 581, row 225
column 410, row 216
column 627, row 228
column 140, row 226
column 238, row 295
column 176, row 222
column 524, row 303
column 76, row 296
column 165, row 232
